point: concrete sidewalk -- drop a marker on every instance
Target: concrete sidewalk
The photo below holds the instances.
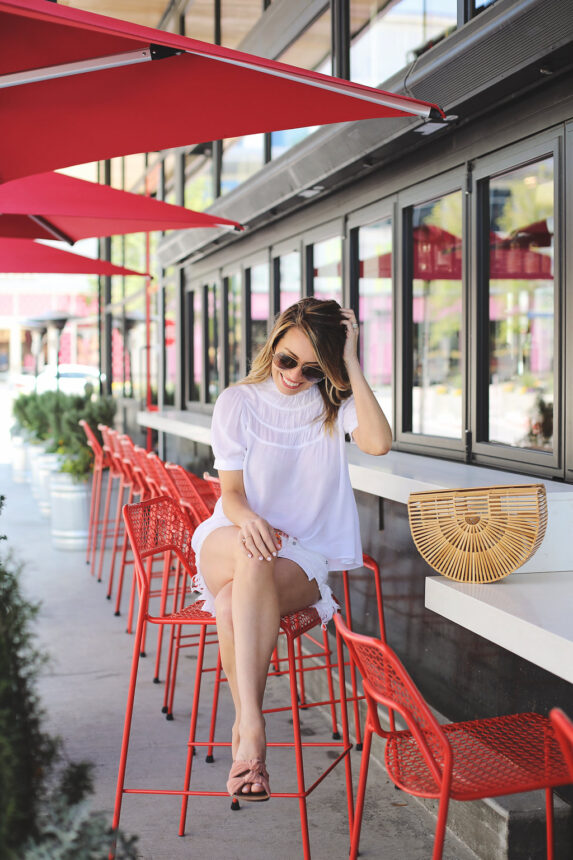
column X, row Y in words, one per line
column 84, row 692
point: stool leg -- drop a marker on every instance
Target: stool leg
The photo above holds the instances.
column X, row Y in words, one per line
column 298, row 749
column 97, row 522
column 104, row 526
column 209, row 757
column 192, row 728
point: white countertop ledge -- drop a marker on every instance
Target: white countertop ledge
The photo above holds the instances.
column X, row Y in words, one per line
column 530, row 614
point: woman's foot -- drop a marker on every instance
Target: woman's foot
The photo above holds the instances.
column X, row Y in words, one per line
column 252, row 747
column 249, row 780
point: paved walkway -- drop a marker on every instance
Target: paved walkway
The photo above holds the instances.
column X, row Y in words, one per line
column 84, row 690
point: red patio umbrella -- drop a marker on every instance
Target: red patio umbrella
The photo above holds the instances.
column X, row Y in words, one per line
column 78, row 87
column 56, row 206
column 26, row 256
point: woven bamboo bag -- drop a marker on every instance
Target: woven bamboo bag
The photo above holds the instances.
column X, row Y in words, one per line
column 480, row 534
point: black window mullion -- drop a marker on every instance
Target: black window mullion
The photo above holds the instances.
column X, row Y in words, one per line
column 406, row 333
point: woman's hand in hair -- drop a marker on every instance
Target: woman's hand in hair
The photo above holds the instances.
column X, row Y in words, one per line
column 350, row 354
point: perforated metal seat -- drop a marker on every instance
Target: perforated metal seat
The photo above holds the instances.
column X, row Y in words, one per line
column 463, row 761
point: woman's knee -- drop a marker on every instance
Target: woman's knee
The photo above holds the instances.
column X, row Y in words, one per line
column 224, row 608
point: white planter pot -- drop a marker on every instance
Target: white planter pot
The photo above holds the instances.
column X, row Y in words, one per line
column 34, row 453
column 70, row 511
column 46, row 465
column 20, row 465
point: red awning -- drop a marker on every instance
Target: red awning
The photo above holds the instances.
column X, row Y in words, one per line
column 56, row 206
column 23, row 256
column 136, row 89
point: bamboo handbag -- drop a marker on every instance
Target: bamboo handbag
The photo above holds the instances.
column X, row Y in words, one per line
column 479, row 534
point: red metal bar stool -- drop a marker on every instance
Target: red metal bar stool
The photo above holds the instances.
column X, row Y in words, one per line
column 115, row 478
column 563, row 728
column 462, row 761
column 158, row 527
column 101, row 463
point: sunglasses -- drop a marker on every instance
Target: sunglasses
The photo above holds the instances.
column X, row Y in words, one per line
column 311, row 372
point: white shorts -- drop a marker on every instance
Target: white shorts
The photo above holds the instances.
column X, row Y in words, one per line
column 312, row 563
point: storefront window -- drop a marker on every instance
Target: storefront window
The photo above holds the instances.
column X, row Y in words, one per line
column 312, row 50
column 375, row 302
column 213, row 341
column 233, row 284
column 194, row 305
column 290, row 280
column 387, row 36
column 170, row 345
column 260, row 307
column 242, row 156
column 199, row 178
column 169, row 177
column 522, row 306
column 327, row 269
column 436, row 316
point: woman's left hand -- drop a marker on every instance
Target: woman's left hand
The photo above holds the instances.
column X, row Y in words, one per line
column 350, row 353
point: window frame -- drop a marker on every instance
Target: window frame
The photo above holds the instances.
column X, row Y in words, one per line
column 335, row 229
column 406, row 439
column 262, row 258
column 547, row 144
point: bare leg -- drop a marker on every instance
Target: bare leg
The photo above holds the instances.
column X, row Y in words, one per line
column 250, row 597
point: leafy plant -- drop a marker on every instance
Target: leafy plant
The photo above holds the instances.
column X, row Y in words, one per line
column 44, row 811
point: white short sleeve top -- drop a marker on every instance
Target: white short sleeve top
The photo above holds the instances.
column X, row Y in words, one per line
column 294, row 472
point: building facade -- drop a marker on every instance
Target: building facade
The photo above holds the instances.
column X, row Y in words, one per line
column 452, row 241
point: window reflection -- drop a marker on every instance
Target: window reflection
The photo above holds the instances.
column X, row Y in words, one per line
column 199, row 178
column 195, row 328
column 436, row 316
column 327, row 269
column 213, row 341
column 234, row 321
column 521, row 306
column 375, row 308
column 242, row 156
column 260, row 307
column 170, row 345
column 387, row 36
column 312, row 50
column 290, row 280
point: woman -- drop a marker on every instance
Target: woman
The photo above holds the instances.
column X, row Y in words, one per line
column 287, row 513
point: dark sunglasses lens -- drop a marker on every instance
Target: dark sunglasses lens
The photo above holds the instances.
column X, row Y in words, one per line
column 312, row 374
column 285, row 362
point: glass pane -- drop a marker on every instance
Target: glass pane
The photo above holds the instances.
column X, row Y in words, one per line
column 242, row 156
column 200, row 20
column 260, row 307
column 170, row 346
column 521, row 306
column 195, row 311
column 234, row 338
column 375, row 308
column 437, row 317
column 237, row 18
column 213, row 346
column 312, row 50
column 290, row 278
column 387, row 36
column 169, row 177
column 327, row 274
column 199, row 181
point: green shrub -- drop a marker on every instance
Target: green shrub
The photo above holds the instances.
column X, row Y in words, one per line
column 44, row 811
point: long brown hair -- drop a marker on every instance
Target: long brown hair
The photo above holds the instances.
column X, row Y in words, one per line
column 321, row 321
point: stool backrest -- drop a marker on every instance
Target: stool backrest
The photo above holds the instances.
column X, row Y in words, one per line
column 157, row 527
column 386, row 682
column 564, row 731
column 189, row 492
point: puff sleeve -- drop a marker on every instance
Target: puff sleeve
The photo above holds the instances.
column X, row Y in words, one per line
column 227, row 430
column 347, row 416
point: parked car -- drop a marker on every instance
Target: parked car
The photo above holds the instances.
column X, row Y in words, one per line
column 73, row 378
